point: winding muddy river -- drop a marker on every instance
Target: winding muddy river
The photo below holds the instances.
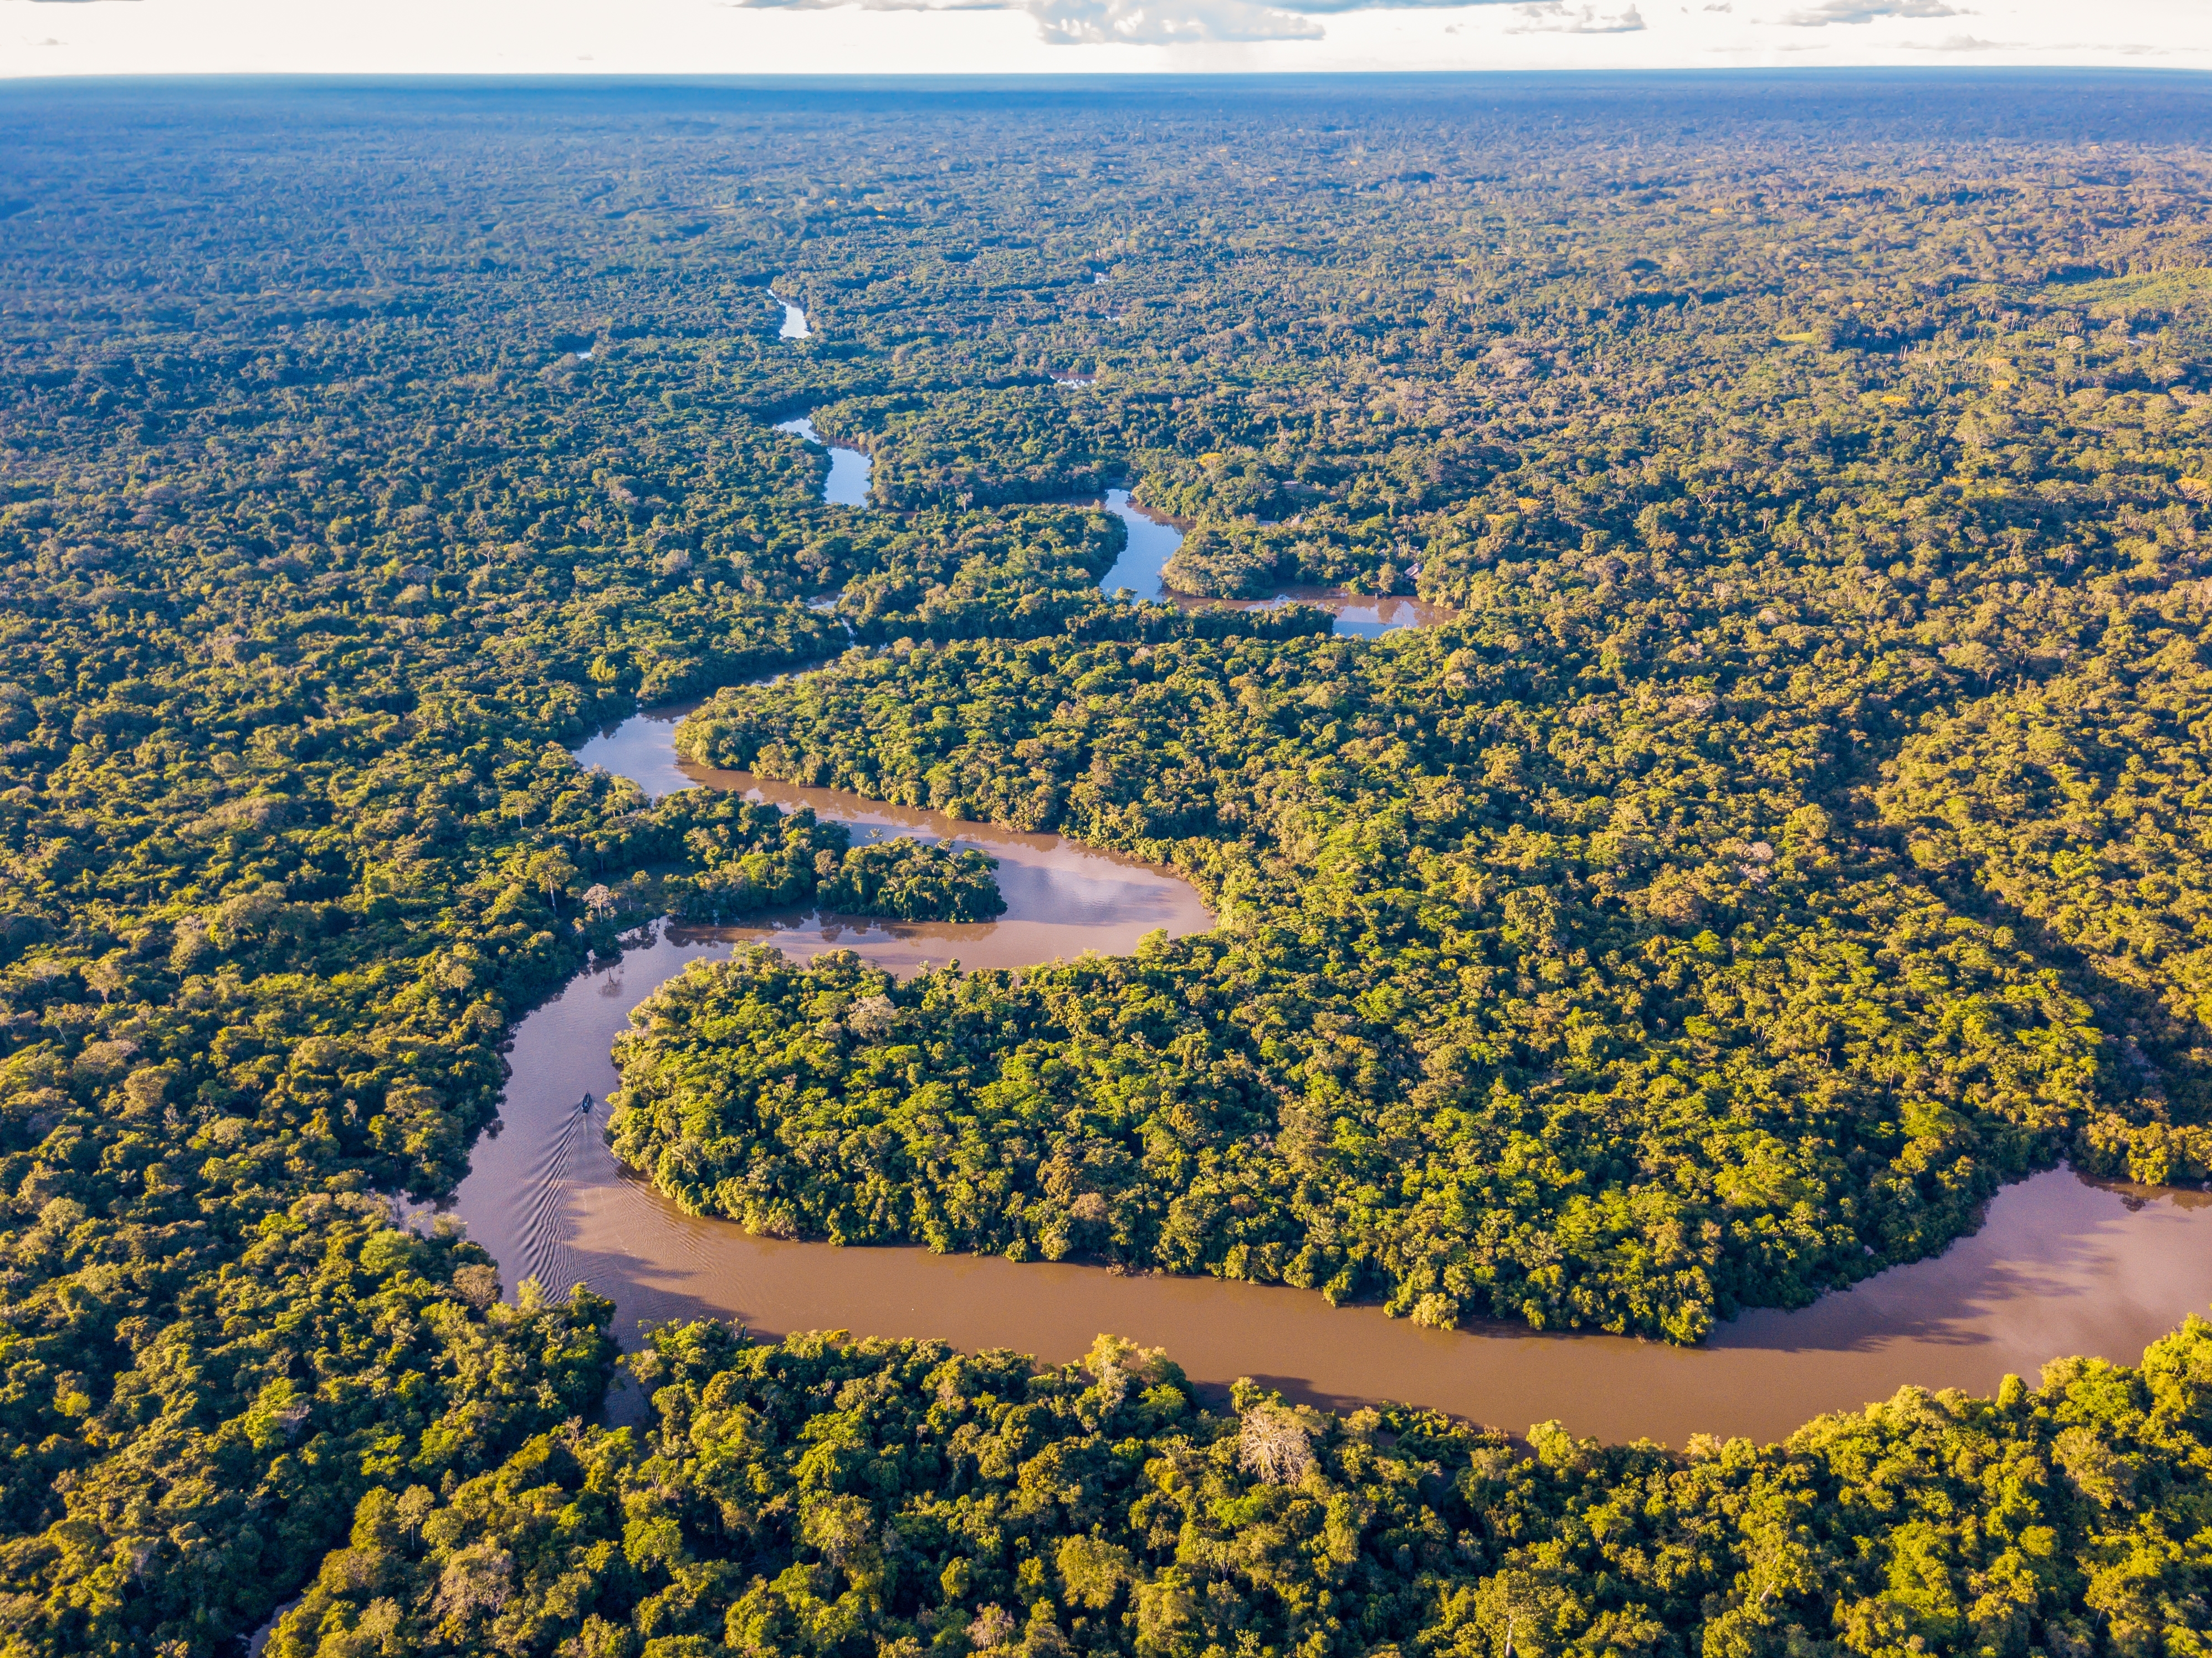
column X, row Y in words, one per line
column 2061, row 1266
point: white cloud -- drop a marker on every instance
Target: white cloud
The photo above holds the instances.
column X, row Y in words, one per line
column 1556, row 17
column 1143, row 22
column 1961, row 43
column 1327, row 7
column 1165, row 22
column 1866, row 11
column 968, row 37
column 1100, row 22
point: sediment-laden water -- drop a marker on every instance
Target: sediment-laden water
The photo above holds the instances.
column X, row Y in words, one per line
column 2061, row 1266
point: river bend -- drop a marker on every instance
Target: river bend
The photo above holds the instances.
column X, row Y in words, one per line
column 2061, row 1266
column 850, row 469
column 1153, row 540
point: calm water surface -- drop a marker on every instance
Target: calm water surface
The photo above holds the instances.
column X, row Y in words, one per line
column 2061, row 1266
column 1152, row 542
column 1366, row 615
column 849, row 468
column 795, row 321
column 1062, row 898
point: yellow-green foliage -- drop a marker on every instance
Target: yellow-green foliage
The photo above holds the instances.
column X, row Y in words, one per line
column 363, row 451
column 2077, row 810
column 829, row 1496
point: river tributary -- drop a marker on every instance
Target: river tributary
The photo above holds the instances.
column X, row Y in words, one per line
column 1152, row 542
column 2060, row 1266
column 849, row 468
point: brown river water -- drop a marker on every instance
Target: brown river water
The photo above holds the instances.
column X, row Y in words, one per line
column 2061, row 1266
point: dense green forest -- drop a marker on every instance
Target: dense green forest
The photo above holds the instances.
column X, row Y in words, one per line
column 828, row 1496
column 1562, row 980
column 1791, row 838
column 741, row 856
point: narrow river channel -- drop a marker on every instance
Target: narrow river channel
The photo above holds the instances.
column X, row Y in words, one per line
column 1152, row 541
column 2060, row 1265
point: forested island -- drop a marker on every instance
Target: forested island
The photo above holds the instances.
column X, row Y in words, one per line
column 1795, row 832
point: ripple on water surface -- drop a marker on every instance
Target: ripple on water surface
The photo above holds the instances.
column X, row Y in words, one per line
column 2061, row 1266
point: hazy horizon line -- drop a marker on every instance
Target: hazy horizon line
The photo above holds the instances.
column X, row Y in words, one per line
column 676, row 78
